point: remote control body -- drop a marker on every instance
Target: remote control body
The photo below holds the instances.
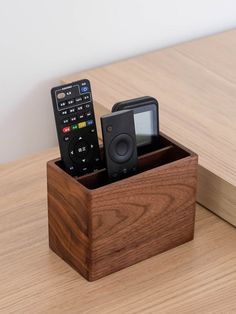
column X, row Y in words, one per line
column 76, row 127
column 119, row 141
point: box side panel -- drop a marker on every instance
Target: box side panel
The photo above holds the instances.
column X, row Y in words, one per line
column 141, row 216
column 68, row 210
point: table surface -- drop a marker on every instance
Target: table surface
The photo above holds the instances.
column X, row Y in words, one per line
column 197, row 277
column 195, row 84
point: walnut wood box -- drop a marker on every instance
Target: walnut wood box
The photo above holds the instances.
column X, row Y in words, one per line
column 99, row 227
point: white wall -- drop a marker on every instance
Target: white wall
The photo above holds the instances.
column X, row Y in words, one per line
column 42, row 41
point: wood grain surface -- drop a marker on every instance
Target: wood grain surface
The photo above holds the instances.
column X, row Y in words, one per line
column 195, row 84
column 111, row 226
column 197, row 277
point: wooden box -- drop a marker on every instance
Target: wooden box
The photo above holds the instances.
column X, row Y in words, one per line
column 99, row 227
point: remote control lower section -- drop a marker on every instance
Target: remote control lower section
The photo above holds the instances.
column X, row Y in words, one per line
column 76, row 127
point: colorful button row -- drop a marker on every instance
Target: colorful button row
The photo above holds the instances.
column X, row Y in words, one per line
column 79, row 125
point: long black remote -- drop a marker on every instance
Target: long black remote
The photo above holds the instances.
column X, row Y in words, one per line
column 76, row 127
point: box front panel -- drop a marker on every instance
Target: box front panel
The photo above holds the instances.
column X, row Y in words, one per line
column 143, row 215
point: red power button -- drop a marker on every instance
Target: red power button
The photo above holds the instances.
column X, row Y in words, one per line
column 66, row 129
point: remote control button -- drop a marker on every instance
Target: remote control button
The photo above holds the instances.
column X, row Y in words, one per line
column 61, row 95
column 87, row 106
column 72, row 110
column 88, row 114
column 81, row 116
column 84, row 89
column 70, row 102
column 68, row 93
column 72, row 153
column 109, row 128
column 73, row 119
column 79, row 108
column 78, row 151
column 84, row 82
column 86, row 97
column 74, row 127
column 78, row 100
column 71, row 168
column 92, row 130
column 64, row 112
column 65, row 121
column 81, row 149
column 97, row 159
column 82, row 125
column 90, row 122
column 62, row 104
column 66, row 138
column 66, row 129
column 121, row 148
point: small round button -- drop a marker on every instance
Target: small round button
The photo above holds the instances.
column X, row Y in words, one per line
column 66, row 138
column 109, row 128
column 81, row 149
column 115, row 174
column 61, row 95
column 125, row 170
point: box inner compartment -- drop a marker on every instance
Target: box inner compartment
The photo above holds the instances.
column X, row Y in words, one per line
column 165, row 153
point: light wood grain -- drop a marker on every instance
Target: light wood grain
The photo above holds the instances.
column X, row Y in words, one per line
column 196, row 88
column 197, row 277
column 216, row 53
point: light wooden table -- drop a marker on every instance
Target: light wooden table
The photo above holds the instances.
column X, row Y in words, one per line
column 195, row 84
column 197, row 277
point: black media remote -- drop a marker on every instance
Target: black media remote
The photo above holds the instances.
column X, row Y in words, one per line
column 76, row 127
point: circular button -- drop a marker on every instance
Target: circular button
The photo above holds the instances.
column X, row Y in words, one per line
column 81, row 149
column 61, row 95
column 109, row 128
column 121, row 148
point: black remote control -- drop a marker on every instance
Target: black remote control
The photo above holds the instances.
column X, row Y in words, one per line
column 120, row 146
column 76, row 127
